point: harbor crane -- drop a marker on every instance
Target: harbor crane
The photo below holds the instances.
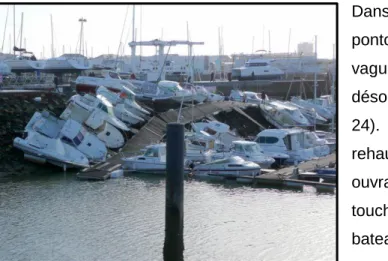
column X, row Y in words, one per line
column 161, row 45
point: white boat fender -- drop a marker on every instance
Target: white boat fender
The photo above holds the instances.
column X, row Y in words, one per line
column 117, row 174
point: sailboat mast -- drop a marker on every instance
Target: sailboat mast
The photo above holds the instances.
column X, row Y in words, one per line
column 14, row 40
column 263, row 37
column 21, row 32
column 253, row 45
column 5, row 29
column 52, row 36
column 269, row 41
column 133, row 23
column 315, row 71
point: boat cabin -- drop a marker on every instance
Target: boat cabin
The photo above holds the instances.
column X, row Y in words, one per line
column 154, row 152
column 73, row 133
column 281, row 139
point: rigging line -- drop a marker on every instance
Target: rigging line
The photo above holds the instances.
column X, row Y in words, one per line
column 121, row 37
column 5, row 29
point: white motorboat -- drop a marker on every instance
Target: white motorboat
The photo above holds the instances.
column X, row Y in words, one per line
column 257, row 69
column 321, row 146
column 105, row 131
column 67, row 62
column 176, row 91
column 152, row 161
column 125, row 97
column 285, row 141
column 213, row 97
column 201, row 94
column 122, row 113
column 216, row 129
column 309, row 113
column 250, row 150
column 329, row 139
column 318, row 105
column 42, row 149
column 69, row 132
column 232, row 167
column 283, row 116
column 253, row 97
column 236, row 95
column 110, row 79
column 100, row 106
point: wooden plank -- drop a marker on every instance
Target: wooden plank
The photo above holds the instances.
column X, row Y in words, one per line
column 114, row 167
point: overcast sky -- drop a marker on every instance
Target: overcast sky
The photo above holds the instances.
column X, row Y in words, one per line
column 104, row 25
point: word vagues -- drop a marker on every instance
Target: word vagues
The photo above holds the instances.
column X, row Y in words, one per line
column 372, row 70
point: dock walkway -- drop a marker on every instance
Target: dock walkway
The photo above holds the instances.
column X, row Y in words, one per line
column 152, row 132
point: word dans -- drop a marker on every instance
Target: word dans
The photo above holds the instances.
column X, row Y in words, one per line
column 359, row 11
column 369, row 97
column 371, row 70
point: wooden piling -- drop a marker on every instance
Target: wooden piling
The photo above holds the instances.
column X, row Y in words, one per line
column 173, row 243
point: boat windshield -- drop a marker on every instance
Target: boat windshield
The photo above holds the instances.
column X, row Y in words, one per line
column 251, row 64
column 151, row 152
column 78, row 139
column 253, row 148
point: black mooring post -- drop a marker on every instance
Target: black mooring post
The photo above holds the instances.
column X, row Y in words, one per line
column 173, row 242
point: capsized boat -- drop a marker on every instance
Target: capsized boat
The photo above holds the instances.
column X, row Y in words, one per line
column 100, row 107
column 232, row 167
column 216, row 129
column 122, row 113
column 126, row 99
column 105, row 131
column 283, row 116
column 69, row 132
column 42, row 149
column 319, row 105
column 309, row 113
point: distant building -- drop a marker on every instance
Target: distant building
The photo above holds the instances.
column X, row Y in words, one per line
column 306, row 48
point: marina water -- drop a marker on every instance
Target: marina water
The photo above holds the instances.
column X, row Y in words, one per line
column 55, row 217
